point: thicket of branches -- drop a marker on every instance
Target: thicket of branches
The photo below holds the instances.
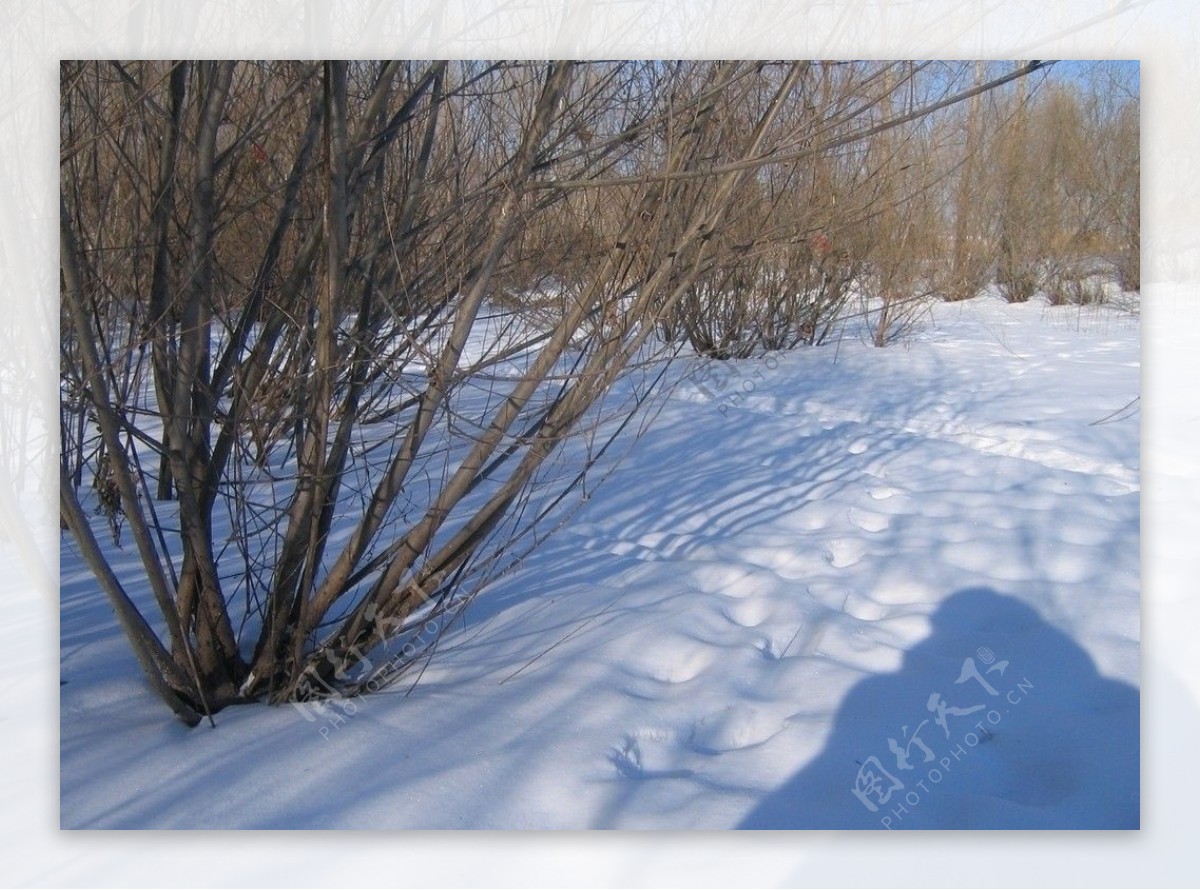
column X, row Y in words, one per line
column 329, row 329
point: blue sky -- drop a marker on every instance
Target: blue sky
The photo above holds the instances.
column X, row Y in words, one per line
column 1128, row 68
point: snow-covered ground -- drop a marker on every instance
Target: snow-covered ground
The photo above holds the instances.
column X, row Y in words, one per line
column 837, row 588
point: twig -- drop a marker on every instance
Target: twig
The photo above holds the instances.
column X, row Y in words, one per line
column 1110, row 418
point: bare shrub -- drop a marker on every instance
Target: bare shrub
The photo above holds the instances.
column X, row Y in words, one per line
column 326, row 326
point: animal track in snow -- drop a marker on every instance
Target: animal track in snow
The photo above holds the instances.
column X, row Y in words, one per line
column 1016, row 440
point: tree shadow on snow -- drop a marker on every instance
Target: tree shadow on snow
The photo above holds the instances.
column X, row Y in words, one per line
column 997, row 720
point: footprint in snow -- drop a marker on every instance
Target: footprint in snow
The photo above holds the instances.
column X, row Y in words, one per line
column 734, row 728
column 747, row 612
column 863, row 608
column 867, row 520
column 673, row 660
column 842, row 553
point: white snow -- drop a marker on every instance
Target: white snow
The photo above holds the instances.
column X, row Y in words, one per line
column 797, row 563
